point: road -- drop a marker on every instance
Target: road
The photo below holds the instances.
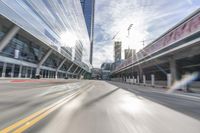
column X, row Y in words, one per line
column 95, row 107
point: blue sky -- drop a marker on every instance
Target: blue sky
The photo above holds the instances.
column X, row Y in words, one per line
column 150, row 19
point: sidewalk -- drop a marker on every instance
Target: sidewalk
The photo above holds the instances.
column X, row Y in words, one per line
column 157, row 89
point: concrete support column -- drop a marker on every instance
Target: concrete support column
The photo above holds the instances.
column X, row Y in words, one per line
column 38, row 70
column 152, row 79
column 4, row 70
column 20, row 71
column 31, row 75
column 169, row 80
column 173, row 69
column 56, row 74
column 7, row 38
column 135, row 80
column 26, row 74
column 144, row 79
column 140, row 73
column 138, row 79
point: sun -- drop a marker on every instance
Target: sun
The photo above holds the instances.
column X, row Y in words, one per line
column 68, row 39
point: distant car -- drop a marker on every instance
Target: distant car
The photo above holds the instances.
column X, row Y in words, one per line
column 37, row 76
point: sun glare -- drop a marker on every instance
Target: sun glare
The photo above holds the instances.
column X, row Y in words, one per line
column 68, row 39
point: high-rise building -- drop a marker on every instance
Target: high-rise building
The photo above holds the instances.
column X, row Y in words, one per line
column 88, row 7
column 117, row 51
column 43, row 37
column 129, row 53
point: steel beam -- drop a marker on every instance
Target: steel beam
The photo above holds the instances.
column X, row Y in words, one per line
column 7, row 38
column 70, row 67
column 43, row 60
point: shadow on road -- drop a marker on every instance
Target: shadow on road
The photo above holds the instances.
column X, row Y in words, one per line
column 183, row 105
column 99, row 98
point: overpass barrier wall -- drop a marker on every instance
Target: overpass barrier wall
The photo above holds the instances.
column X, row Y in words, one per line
column 188, row 27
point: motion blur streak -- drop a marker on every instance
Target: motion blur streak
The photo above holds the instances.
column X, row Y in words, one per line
column 186, row 80
column 107, row 108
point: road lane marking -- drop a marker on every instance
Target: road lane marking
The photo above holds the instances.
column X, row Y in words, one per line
column 27, row 125
column 32, row 119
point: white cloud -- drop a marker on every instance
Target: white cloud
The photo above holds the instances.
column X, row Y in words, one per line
column 150, row 18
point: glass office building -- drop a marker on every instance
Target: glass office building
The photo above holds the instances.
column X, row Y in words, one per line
column 88, row 7
column 51, row 34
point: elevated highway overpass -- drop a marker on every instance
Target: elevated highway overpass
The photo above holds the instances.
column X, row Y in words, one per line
column 166, row 59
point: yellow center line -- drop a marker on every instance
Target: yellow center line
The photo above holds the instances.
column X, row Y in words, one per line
column 27, row 122
column 37, row 119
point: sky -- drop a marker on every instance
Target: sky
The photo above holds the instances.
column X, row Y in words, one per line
column 150, row 19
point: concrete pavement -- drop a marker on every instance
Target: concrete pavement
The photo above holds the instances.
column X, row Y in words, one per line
column 106, row 107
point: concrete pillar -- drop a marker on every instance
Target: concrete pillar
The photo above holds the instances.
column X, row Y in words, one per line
column 169, row 80
column 31, row 75
column 140, row 73
column 56, row 75
column 26, row 74
column 152, row 79
column 144, row 79
column 138, row 79
column 7, row 38
column 4, row 69
column 20, row 71
column 135, row 80
column 173, row 69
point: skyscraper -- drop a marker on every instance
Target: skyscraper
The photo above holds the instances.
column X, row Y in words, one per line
column 88, row 7
column 117, row 51
column 44, row 37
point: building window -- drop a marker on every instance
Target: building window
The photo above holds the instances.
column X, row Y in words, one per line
column 8, row 70
column 16, row 71
column 1, row 68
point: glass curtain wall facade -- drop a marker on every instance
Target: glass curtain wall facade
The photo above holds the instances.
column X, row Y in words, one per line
column 57, row 23
column 88, row 7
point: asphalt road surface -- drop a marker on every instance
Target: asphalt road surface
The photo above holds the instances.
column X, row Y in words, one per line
column 95, row 107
